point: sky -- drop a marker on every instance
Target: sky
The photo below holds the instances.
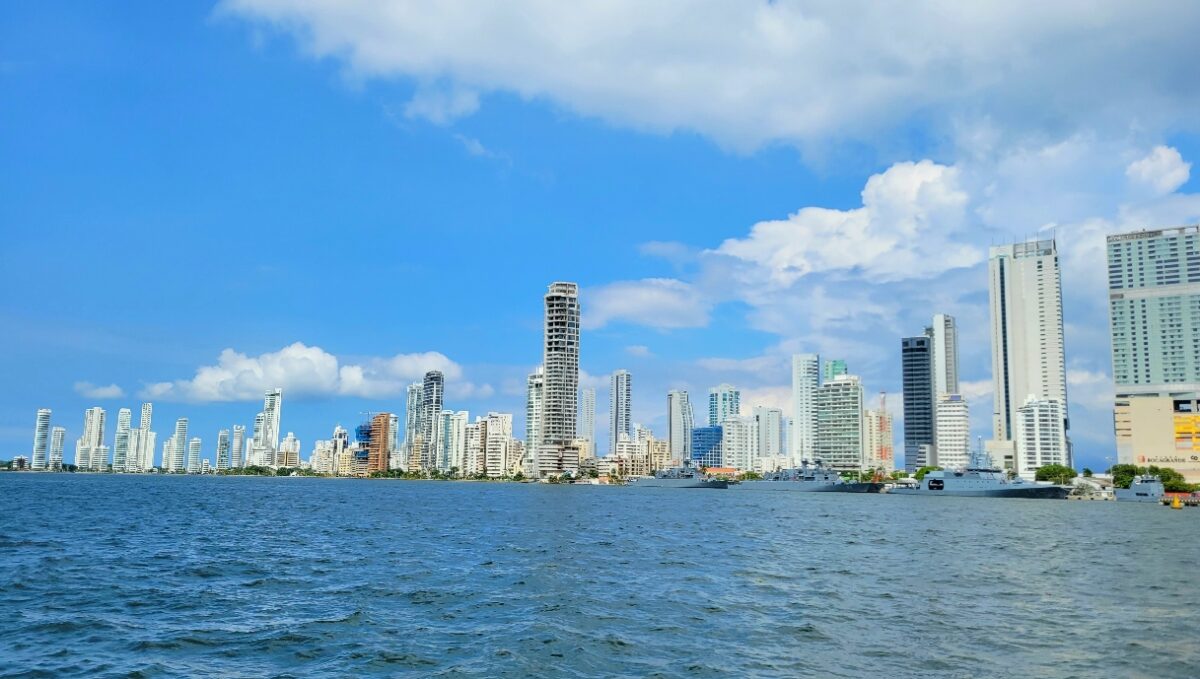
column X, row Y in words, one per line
column 199, row 201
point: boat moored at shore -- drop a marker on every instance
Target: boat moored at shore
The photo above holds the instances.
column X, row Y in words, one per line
column 810, row 478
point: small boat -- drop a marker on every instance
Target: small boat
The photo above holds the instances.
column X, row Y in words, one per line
column 1145, row 488
column 684, row 476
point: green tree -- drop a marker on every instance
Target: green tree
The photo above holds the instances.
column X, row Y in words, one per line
column 519, row 476
column 1087, row 473
column 750, row 476
column 925, row 470
column 1058, row 473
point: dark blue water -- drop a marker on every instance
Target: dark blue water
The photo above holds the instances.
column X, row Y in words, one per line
column 190, row 576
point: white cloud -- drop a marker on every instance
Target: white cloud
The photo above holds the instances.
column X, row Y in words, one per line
column 639, row 350
column 748, row 73
column 441, row 106
column 1163, row 170
column 653, row 302
column 89, row 390
column 903, row 230
column 302, row 370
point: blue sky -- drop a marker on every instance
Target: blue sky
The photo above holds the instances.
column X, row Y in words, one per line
column 342, row 195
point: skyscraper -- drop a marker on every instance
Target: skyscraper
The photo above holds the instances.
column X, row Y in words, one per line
column 587, row 416
column 1154, row 311
column 770, row 433
column 258, row 450
column 121, row 441
column 535, row 394
column 560, row 360
column 193, row 456
column 806, row 380
column 1028, row 361
column 496, row 442
column 239, row 443
column 456, row 441
column 90, row 452
column 723, row 402
column 680, row 422
column 289, row 452
column 620, row 413
column 272, row 407
column 223, row 450
column 944, row 354
column 412, row 418
column 739, row 442
column 706, row 446
column 57, row 435
column 41, row 432
column 179, row 446
column 433, row 390
column 839, row 442
column 916, row 374
column 378, row 450
column 879, row 442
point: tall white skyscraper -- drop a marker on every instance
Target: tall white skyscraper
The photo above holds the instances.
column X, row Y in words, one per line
column 456, row 440
column 944, row 333
column 258, row 449
column 724, row 402
column 620, row 416
column 121, row 441
column 587, row 416
column 770, row 431
column 953, row 447
column 433, row 391
column 806, row 379
column 288, row 454
column 272, row 407
column 412, row 418
column 238, row 446
column 560, row 360
column 497, row 442
column 179, row 447
column 142, row 442
column 535, row 394
column 1040, row 437
column 90, row 452
column 57, row 435
column 193, row 456
column 223, row 461
column 41, row 435
column 680, row 422
column 1028, row 361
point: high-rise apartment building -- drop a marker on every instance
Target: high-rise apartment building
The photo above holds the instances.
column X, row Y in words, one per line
column 433, row 390
column 456, row 441
column 560, row 360
column 1039, row 435
column 497, row 442
column 587, row 416
column 724, row 401
column 272, row 413
column 57, row 436
column 739, row 442
column 223, row 450
column 121, row 441
column 916, row 374
column 535, row 394
column 953, row 445
column 179, row 447
column 41, row 436
column 878, row 439
column 379, row 451
column 289, row 452
column 943, row 335
column 90, row 452
column 1028, row 355
column 770, row 431
column 193, row 456
column 1154, row 317
column 840, row 423
column 239, row 443
column 680, row 422
column 620, row 410
column 412, row 417
column 806, row 379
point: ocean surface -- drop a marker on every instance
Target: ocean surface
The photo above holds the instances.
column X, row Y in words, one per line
column 151, row 576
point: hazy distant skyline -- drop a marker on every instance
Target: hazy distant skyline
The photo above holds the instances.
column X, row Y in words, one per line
column 203, row 201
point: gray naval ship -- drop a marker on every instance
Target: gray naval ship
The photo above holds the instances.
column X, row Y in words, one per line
column 810, row 478
column 981, row 479
column 685, row 476
column 1145, row 488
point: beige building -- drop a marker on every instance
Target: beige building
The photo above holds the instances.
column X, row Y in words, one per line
column 1162, row 431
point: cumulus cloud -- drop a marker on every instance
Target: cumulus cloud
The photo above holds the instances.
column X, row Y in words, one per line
column 303, row 370
column 903, row 230
column 1163, row 170
column 639, row 350
column 747, row 73
column 89, row 390
column 654, row 302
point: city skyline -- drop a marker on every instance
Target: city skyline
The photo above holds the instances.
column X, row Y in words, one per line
column 709, row 246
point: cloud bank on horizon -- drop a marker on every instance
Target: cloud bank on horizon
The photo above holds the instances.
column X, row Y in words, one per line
column 990, row 121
